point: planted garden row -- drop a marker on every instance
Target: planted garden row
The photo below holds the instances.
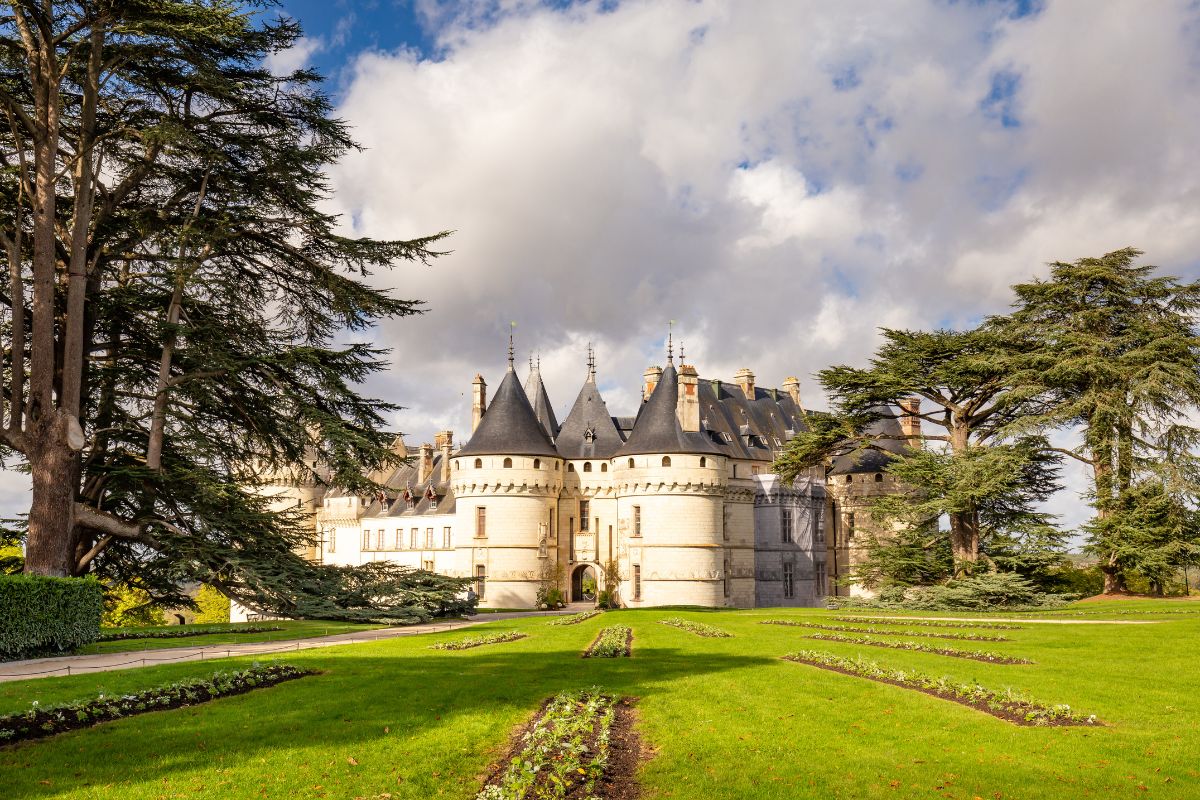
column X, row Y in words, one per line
column 615, row 641
column 928, row 623
column 1007, row 705
column 39, row 722
column 698, row 628
column 970, row 637
column 974, row 655
column 580, row 745
column 574, row 619
column 477, row 641
column 116, row 636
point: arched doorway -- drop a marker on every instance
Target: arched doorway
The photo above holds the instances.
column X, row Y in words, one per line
column 583, row 583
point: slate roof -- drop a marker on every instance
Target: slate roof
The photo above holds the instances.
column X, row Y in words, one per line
column 590, row 413
column 535, row 392
column 657, row 428
column 744, row 428
column 509, row 426
column 872, row 460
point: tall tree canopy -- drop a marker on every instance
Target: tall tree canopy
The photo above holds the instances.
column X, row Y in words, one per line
column 176, row 295
column 1116, row 349
column 975, row 474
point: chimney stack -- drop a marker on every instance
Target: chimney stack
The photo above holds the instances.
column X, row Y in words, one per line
column 425, row 465
column 791, row 385
column 745, row 380
column 910, row 420
column 478, row 401
column 444, row 441
column 652, row 376
column 687, row 406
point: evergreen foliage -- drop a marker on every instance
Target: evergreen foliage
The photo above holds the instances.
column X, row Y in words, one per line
column 177, row 303
column 45, row 616
column 211, row 606
column 1116, row 349
column 126, row 606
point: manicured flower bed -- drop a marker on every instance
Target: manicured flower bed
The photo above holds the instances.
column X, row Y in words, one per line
column 698, row 628
column 974, row 655
column 574, row 619
column 477, row 641
column 615, row 641
column 567, row 751
column 38, row 722
column 1008, row 705
column 928, row 623
column 970, row 637
column 117, row 636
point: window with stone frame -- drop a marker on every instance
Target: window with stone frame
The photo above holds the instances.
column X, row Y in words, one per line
column 820, row 578
column 480, row 522
column 429, row 538
column 414, row 541
column 789, row 580
column 332, row 539
column 399, row 538
column 379, row 545
column 446, row 538
column 726, row 575
column 366, row 539
column 785, row 527
column 480, row 580
column 637, row 582
column 584, row 508
column 637, row 520
column 427, row 565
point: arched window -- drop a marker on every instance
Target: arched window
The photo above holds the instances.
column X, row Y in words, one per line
column 849, row 478
column 479, row 463
column 587, row 466
column 508, row 463
column 735, row 470
column 537, row 463
column 703, row 461
column 666, row 461
column 456, row 465
column 604, row 467
column 879, row 477
column 570, row 467
column 631, row 463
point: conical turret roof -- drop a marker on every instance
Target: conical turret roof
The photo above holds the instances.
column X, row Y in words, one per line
column 657, row 428
column 509, row 426
column 535, row 392
column 588, row 431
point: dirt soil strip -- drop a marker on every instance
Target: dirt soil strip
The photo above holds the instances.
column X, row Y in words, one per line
column 1042, row 621
column 1014, row 715
column 625, row 753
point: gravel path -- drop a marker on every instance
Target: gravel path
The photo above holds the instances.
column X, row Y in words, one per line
column 105, row 662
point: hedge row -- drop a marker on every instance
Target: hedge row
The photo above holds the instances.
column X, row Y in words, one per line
column 47, row 616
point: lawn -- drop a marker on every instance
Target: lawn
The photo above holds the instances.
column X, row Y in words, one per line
column 722, row 717
column 292, row 629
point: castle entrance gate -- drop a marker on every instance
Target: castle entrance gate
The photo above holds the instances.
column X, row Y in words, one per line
column 583, row 583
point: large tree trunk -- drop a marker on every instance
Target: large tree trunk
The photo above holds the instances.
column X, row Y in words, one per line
column 1114, row 582
column 964, row 526
column 50, row 545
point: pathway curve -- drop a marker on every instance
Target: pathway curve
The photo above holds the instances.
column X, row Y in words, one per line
column 106, row 662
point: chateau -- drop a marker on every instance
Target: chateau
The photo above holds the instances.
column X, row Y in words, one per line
column 680, row 498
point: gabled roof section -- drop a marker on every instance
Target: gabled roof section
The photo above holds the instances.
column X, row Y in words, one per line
column 509, row 426
column 657, row 428
column 535, row 392
column 588, row 431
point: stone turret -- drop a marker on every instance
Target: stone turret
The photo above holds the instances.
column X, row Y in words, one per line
column 910, row 419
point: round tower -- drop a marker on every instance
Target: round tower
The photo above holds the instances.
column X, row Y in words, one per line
column 670, row 484
column 506, row 482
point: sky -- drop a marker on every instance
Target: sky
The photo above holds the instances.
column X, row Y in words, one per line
column 781, row 178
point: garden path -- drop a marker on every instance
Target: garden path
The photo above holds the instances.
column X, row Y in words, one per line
column 105, row 662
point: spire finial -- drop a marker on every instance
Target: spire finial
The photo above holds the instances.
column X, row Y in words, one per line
column 670, row 341
column 681, row 356
column 539, row 360
column 531, row 362
column 591, row 363
column 511, row 327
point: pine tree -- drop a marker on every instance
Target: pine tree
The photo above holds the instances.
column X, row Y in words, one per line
column 1116, row 348
column 982, row 479
column 177, row 298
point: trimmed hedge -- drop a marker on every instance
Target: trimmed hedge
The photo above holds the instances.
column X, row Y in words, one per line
column 47, row 616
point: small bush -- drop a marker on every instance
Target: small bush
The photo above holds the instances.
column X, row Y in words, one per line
column 985, row 592
column 47, row 616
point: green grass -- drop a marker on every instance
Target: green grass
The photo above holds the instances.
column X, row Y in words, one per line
column 727, row 718
column 292, row 629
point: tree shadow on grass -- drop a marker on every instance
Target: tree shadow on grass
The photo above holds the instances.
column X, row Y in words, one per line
column 441, row 717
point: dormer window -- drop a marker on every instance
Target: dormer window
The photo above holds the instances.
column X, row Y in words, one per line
column 589, row 435
column 479, row 463
column 508, row 463
column 587, row 466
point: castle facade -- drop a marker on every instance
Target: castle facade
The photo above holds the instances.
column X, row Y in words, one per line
column 678, row 502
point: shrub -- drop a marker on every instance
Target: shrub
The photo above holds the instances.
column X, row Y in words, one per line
column 698, row 628
column 211, row 606
column 127, row 606
column 615, row 641
column 41, row 616
column 984, row 592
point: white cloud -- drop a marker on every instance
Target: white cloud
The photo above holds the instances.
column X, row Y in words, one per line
column 285, row 62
